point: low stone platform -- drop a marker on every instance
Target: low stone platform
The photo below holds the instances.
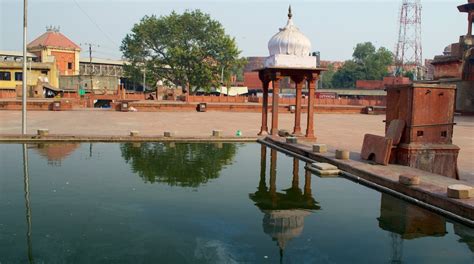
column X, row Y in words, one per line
column 171, row 106
column 432, row 190
column 30, row 138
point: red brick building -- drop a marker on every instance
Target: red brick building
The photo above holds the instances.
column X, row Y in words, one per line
column 53, row 45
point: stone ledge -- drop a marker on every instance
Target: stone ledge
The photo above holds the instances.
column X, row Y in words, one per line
column 431, row 191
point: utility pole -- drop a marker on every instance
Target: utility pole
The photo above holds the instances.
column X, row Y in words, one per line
column 23, row 96
column 144, row 78
column 91, row 71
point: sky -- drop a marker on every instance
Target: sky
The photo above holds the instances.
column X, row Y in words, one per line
column 333, row 26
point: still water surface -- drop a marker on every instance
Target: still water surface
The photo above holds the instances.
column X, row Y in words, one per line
column 204, row 203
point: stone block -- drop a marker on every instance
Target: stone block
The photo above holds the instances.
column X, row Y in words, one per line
column 326, row 172
column 320, row 148
column 291, row 140
column 323, row 166
column 43, row 132
column 217, row 133
column 409, row 179
column 376, row 148
column 168, row 134
column 134, row 133
column 283, row 133
column 460, row 191
column 395, row 130
column 342, row 154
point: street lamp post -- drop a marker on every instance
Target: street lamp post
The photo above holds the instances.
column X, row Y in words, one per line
column 23, row 96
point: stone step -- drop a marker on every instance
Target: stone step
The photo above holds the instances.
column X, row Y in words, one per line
column 323, row 166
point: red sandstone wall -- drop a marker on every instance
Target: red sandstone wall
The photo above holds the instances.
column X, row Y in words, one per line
column 447, row 70
column 7, row 94
column 62, row 59
column 135, row 96
column 371, row 101
column 391, row 80
column 252, row 81
column 370, row 84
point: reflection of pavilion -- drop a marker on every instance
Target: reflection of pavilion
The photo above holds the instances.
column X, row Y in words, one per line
column 284, row 212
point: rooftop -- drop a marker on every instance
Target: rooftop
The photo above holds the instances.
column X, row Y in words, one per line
column 53, row 39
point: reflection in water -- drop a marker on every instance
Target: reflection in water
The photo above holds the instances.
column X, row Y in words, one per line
column 406, row 221
column 55, row 153
column 284, row 213
column 185, row 165
column 466, row 234
column 27, row 203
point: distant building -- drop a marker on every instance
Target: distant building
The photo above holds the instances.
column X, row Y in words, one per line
column 54, row 44
column 55, row 60
column 11, row 72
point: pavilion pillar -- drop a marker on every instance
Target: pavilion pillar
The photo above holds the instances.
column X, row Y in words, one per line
column 264, row 127
column 263, row 168
column 273, row 164
column 307, row 182
column 470, row 18
column 299, row 95
column 311, row 82
column 276, row 96
column 296, row 179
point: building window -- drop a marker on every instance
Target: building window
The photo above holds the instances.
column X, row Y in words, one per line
column 69, row 65
column 5, row 76
column 19, row 76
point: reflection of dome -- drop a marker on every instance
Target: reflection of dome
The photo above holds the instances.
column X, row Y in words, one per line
column 289, row 41
column 290, row 48
column 284, row 225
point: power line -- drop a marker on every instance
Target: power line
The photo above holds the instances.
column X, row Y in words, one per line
column 95, row 23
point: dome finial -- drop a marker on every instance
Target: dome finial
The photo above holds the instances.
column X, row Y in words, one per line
column 290, row 15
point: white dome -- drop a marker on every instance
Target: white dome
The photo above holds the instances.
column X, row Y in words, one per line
column 289, row 41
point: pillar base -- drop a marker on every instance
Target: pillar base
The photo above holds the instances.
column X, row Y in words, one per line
column 310, row 138
column 436, row 158
column 263, row 133
column 297, row 134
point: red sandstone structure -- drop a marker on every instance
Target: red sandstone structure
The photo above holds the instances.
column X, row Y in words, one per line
column 456, row 65
column 419, row 129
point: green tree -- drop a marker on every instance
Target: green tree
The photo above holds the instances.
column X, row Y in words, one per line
column 326, row 77
column 185, row 165
column 190, row 50
column 368, row 63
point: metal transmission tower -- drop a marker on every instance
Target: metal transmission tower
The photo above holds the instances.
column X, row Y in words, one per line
column 409, row 53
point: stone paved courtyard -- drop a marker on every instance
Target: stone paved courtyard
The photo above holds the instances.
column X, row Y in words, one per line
column 336, row 130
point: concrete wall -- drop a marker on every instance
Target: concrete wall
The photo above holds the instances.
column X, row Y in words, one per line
column 101, row 83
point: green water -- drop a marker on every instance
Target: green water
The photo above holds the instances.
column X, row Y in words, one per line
column 204, row 203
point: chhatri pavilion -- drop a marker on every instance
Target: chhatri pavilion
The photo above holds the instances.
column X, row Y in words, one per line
column 289, row 57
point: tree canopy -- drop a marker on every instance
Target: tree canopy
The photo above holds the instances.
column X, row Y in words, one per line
column 190, row 50
column 368, row 63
